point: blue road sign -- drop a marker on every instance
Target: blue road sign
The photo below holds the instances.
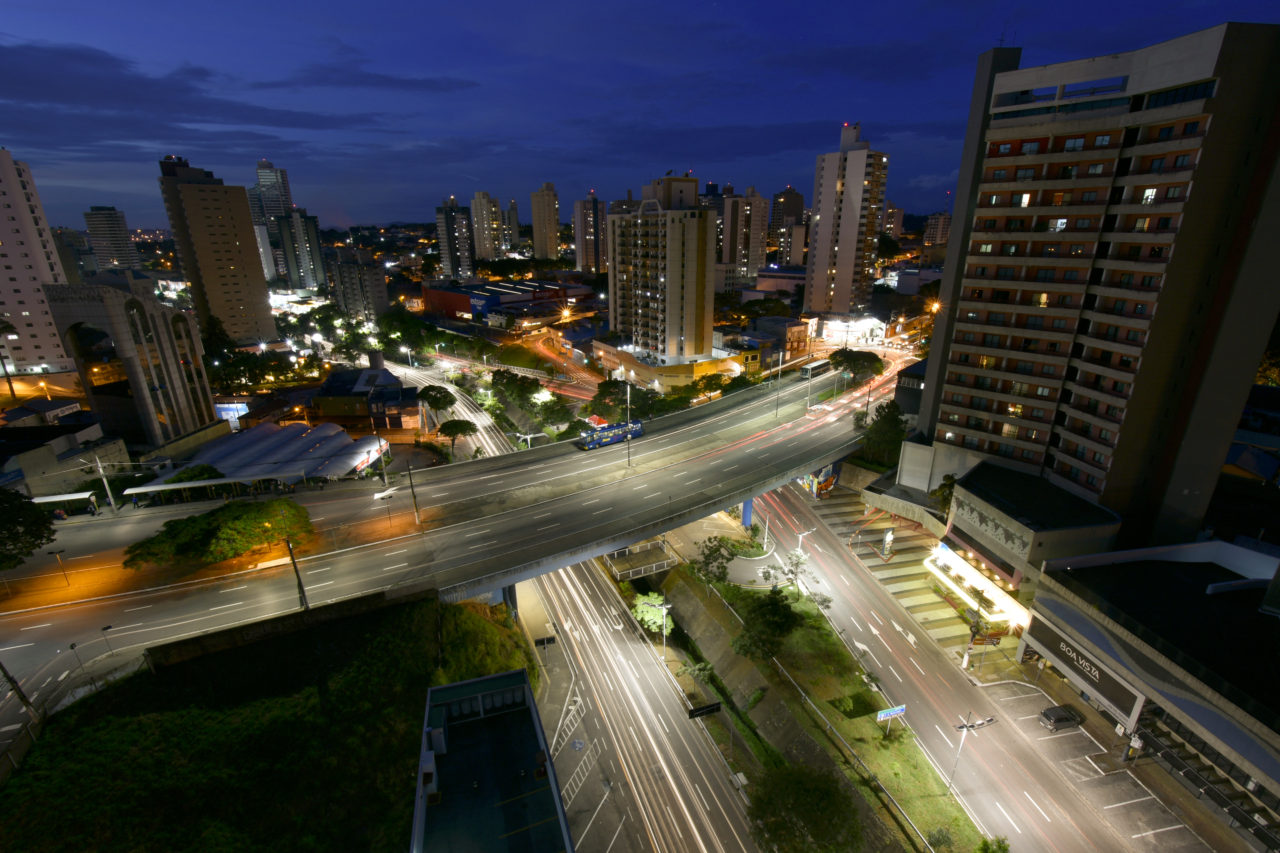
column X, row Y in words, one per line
column 890, row 713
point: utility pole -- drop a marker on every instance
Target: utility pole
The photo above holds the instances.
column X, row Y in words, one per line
column 17, row 689
column 964, row 730
column 628, row 441
column 302, row 591
column 416, row 519
column 105, row 486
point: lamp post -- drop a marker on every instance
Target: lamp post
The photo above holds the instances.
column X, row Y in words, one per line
column 302, row 590
column 102, row 475
column 964, row 728
column 17, row 689
column 105, row 638
column 58, row 553
column 627, row 439
column 387, row 499
column 777, row 399
column 800, row 540
column 409, row 353
column 664, row 607
column 45, row 389
column 77, row 654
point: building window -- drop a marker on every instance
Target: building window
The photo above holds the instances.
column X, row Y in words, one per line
column 1173, row 192
column 1057, row 225
column 1004, row 273
column 1181, row 161
column 1089, row 195
column 1004, row 148
column 1190, row 127
column 1028, row 454
column 993, row 199
column 984, row 248
column 1043, row 391
column 1059, row 323
column 1075, row 143
column 1022, row 199
column 1026, row 174
column 1083, row 224
column 988, row 225
column 1031, row 148
column 998, row 174
column 1094, row 169
column 1048, row 370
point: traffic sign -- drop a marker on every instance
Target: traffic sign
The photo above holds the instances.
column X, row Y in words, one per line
column 703, row 710
column 890, row 713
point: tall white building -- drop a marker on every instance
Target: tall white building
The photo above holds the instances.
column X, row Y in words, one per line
column 510, row 226
column 486, row 227
column 31, row 260
column 453, row 236
column 662, row 260
column 109, row 236
column 848, row 197
column 546, row 222
column 591, row 234
column 744, row 235
column 300, row 245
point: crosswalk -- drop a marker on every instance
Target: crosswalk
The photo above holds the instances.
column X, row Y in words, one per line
column 903, row 574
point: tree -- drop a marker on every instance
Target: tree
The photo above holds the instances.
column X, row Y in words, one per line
column 888, row 247
column 792, row 569
column 437, row 397
column 998, row 844
column 939, row 838
column 456, row 429
column 767, row 622
column 885, row 434
column 27, row 528
column 712, row 562
column 702, row 671
column 800, row 809
column 944, row 492
column 856, row 361
column 651, row 612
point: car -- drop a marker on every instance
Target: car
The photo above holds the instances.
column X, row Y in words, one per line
column 1058, row 717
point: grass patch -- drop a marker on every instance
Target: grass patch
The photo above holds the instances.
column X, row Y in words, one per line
column 304, row 742
column 518, row 356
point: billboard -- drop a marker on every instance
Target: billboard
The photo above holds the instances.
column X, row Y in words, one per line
column 1083, row 670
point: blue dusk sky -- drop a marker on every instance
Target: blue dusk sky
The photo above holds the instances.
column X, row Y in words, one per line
column 378, row 110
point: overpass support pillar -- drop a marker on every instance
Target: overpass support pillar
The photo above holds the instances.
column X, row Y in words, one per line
column 746, row 513
column 509, row 599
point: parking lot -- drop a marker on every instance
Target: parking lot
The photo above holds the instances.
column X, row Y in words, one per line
column 1096, row 772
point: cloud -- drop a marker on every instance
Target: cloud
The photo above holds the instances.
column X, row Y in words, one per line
column 90, row 84
column 337, row 75
column 933, row 182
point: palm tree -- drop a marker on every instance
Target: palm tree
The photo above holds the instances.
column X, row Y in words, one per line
column 7, row 328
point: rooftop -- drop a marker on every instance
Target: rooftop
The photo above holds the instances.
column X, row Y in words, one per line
column 1174, row 607
column 1033, row 501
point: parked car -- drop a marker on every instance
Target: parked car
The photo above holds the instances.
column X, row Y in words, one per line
column 1060, row 717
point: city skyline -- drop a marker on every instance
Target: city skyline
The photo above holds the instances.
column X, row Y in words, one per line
column 378, row 117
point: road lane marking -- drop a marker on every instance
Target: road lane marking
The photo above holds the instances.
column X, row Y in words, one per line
column 731, row 467
column 895, row 673
column 664, row 724
column 1006, row 816
column 33, row 627
column 944, row 734
column 481, row 545
column 477, row 533
column 548, row 527
column 396, row 566
column 691, row 482
column 143, row 607
column 321, row 518
column 1154, row 831
column 916, row 665
column 700, row 797
column 65, row 673
column 674, row 822
column 855, row 623
column 134, row 625
column 233, row 589
column 1037, row 805
column 318, row 585
column 221, row 606
column 639, row 487
column 590, row 502
column 606, row 509
column 1129, row 802
column 11, row 728
column 318, row 571
column 401, row 551
column 11, row 648
column 544, row 515
column 876, row 615
column 652, row 496
column 846, row 580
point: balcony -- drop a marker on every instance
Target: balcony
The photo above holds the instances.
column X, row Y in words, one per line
column 1084, row 463
column 1104, row 367
column 1110, row 316
column 1090, row 414
column 1129, row 348
column 1096, row 390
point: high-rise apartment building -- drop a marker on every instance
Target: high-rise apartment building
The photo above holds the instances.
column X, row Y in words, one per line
column 848, row 197
column 270, row 197
column 510, row 226
column 31, row 261
column 744, row 235
column 787, row 210
column 546, row 222
column 109, row 236
column 486, row 227
column 453, row 237
column 937, row 229
column 891, row 220
column 662, row 262
column 1111, row 286
column 591, row 234
column 300, row 246
column 213, row 232
column 359, row 283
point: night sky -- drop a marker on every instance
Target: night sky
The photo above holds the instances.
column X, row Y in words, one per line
column 378, row 110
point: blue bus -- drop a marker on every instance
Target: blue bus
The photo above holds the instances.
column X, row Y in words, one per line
column 815, row 368
column 608, row 434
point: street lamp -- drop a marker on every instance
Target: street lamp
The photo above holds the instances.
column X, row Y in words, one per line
column 105, row 638
column 302, row 590
column 964, row 728
column 409, row 353
column 664, row 607
column 800, row 540
column 45, row 389
column 387, row 500
column 58, row 553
